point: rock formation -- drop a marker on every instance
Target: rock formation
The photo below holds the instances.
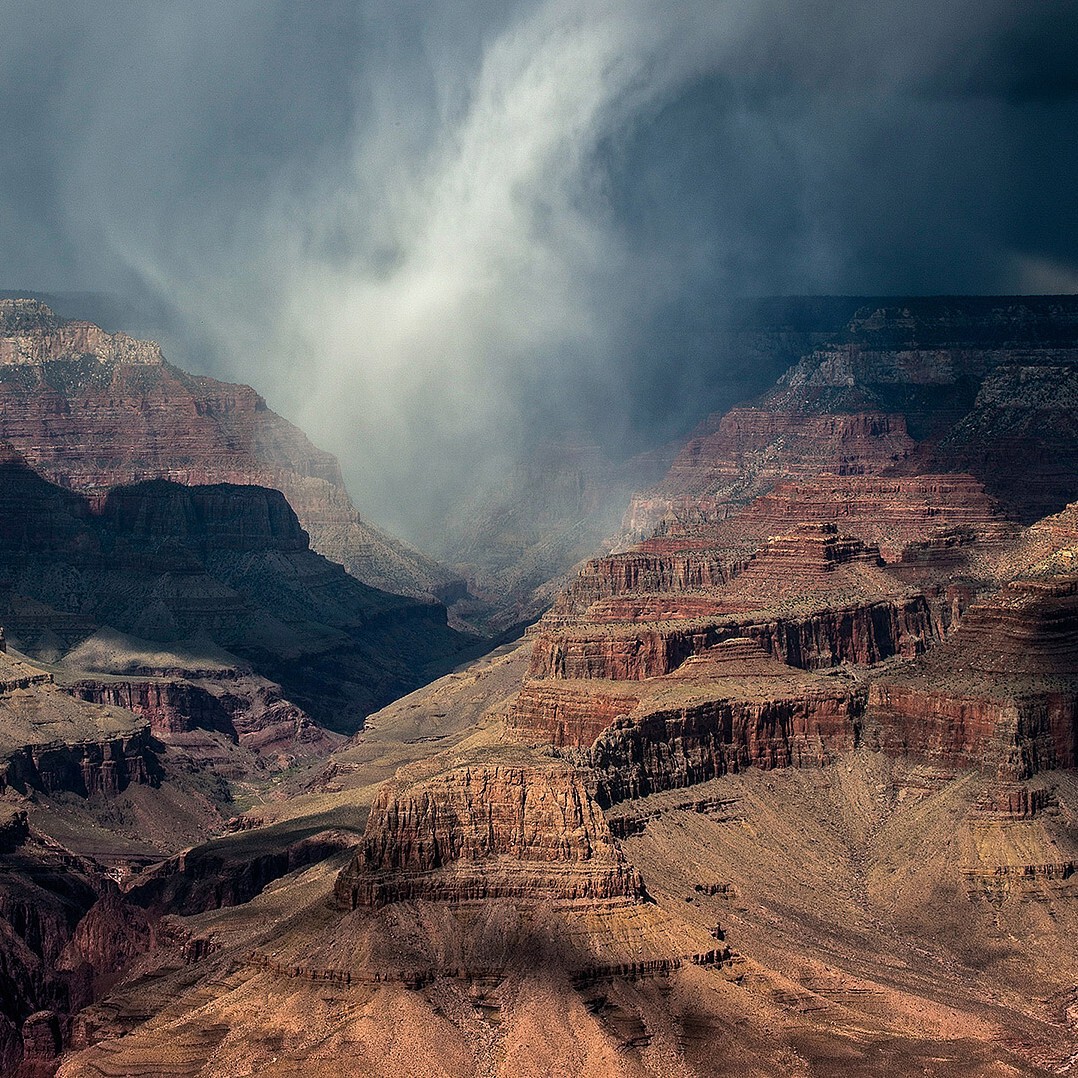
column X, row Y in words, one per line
column 1002, row 693
column 224, row 571
column 925, row 387
column 776, row 790
column 483, row 832
column 92, row 411
column 52, row 743
column 813, row 598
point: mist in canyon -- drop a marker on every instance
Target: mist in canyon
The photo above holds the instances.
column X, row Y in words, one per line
column 434, row 237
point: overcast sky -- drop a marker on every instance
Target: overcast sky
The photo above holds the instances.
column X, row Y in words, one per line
column 427, row 232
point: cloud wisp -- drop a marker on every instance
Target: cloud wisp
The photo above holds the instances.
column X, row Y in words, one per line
column 433, row 237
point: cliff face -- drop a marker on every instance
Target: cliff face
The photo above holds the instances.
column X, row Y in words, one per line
column 925, row 387
column 657, row 566
column 566, row 713
column 813, row 598
column 41, row 902
column 1002, row 693
column 730, row 707
column 734, row 458
column 862, row 633
column 52, row 743
column 170, row 707
column 220, row 570
column 32, row 334
column 104, row 766
column 483, row 832
column 92, row 411
column 683, row 746
column 891, row 512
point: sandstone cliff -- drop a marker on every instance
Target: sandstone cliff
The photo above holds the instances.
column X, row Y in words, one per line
column 92, row 411
column 487, row 831
column 813, row 598
column 1001, row 694
column 52, row 743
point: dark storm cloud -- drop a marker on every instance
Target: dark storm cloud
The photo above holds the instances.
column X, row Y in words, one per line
column 430, row 232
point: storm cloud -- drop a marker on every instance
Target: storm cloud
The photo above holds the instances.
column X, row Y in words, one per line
column 431, row 234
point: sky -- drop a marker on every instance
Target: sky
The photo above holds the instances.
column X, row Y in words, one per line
column 432, row 234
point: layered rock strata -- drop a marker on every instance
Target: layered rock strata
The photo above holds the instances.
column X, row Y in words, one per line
column 1002, row 693
column 813, row 598
column 654, row 566
column 902, row 390
column 736, row 457
column 170, row 707
column 92, row 411
column 52, row 743
column 728, row 708
column 487, row 831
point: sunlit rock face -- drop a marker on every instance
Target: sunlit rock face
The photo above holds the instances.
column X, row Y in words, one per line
column 483, row 832
column 54, row 744
column 92, row 411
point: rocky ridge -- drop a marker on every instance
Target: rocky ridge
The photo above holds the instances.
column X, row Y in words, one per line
column 925, row 387
column 92, row 411
column 225, row 575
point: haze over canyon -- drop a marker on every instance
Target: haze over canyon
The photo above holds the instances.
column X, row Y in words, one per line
column 538, row 538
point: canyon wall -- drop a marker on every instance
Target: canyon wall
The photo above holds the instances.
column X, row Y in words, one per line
column 482, row 832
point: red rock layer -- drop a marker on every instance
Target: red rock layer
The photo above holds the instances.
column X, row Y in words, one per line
column 651, row 568
column 107, row 766
column 731, row 707
column 959, row 727
column 891, row 511
column 748, row 450
column 787, row 544
column 783, row 443
column 862, row 633
column 1030, row 629
column 566, row 713
column 813, row 598
column 170, row 707
column 677, row 746
column 1002, row 692
column 487, row 831
column 812, row 563
column 92, row 411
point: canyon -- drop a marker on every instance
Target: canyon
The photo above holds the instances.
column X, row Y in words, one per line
column 91, row 411
column 783, row 783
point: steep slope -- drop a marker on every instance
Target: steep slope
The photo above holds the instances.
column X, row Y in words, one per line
column 91, row 411
column 965, row 384
column 50, row 742
column 223, row 571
